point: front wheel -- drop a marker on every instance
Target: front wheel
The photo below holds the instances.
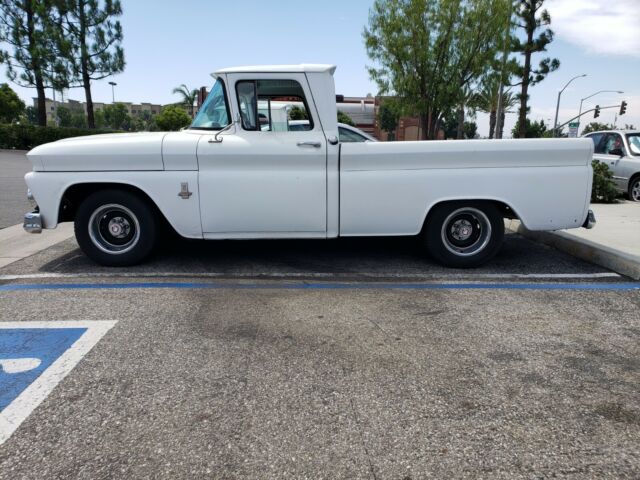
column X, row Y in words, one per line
column 634, row 189
column 464, row 234
column 116, row 228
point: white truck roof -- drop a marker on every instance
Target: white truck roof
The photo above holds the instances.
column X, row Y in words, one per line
column 301, row 68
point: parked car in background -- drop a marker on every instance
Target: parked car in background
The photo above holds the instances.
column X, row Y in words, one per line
column 620, row 151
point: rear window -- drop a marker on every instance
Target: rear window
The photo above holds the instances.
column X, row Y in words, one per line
column 273, row 106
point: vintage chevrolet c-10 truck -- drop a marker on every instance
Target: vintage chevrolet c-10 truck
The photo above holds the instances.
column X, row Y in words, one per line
column 239, row 172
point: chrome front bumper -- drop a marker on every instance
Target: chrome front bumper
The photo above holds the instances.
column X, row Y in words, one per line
column 590, row 221
column 32, row 222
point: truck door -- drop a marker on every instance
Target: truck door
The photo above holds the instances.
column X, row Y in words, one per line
column 268, row 177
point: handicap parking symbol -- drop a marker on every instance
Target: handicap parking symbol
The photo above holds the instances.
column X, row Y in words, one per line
column 34, row 358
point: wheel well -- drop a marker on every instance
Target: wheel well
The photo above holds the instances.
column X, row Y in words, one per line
column 503, row 208
column 75, row 194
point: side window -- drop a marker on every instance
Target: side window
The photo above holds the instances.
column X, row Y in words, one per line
column 597, row 141
column 613, row 141
column 248, row 105
column 349, row 136
column 273, row 106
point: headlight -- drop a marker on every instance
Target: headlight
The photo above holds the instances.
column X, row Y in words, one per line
column 31, row 199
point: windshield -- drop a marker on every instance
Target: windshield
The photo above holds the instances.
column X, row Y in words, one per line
column 634, row 143
column 214, row 113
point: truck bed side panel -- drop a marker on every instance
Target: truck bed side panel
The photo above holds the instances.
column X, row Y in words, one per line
column 388, row 188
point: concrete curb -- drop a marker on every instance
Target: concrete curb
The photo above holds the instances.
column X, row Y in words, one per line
column 611, row 258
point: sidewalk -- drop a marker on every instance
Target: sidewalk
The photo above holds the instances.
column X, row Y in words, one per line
column 613, row 243
column 16, row 244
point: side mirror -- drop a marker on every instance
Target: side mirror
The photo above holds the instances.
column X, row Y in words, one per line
column 616, row 151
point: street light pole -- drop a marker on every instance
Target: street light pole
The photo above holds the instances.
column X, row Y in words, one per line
column 555, row 123
column 593, row 95
column 113, row 95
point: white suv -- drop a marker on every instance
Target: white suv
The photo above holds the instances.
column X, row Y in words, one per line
column 620, row 151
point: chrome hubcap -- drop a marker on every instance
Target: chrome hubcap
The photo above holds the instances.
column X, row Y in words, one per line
column 119, row 227
column 461, row 229
column 466, row 231
column 114, row 229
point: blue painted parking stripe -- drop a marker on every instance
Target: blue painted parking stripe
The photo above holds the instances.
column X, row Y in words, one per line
column 326, row 286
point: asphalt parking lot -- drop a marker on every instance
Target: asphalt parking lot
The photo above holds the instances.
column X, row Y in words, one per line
column 339, row 359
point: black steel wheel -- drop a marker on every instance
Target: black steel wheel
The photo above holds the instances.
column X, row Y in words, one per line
column 116, row 228
column 464, row 234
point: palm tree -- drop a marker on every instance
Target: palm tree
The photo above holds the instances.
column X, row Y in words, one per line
column 189, row 97
column 486, row 100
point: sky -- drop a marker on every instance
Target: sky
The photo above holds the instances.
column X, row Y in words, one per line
column 168, row 43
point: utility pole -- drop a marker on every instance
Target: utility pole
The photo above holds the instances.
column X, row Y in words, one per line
column 555, row 123
column 113, row 95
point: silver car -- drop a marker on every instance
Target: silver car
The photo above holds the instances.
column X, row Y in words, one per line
column 620, row 151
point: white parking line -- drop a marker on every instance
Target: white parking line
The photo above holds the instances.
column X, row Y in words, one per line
column 408, row 276
column 21, row 407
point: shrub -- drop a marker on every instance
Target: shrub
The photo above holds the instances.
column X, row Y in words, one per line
column 26, row 137
column 172, row 118
column 604, row 189
column 344, row 118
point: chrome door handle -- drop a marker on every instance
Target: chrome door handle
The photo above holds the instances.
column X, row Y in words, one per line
column 309, row 144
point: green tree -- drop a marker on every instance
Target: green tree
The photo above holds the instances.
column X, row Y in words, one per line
column 344, row 118
column 90, row 43
column 597, row 127
column 427, row 51
column 486, row 100
column 530, row 17
column 71, row 117
column 31, row 115
column 297, row 113
column 189, row 97
column 143, row 121
column 172, row 117
column 389, row 117
column 450, row 125
column 531, row 129
column 64, row 116
column 11, row 106
column 470, row 129
column 28, row 28
column 78, row 119
column 116, row 116
column 99, row 120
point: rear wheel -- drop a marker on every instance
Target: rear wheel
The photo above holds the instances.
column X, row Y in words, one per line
column 116, row 228
column 634, row 189
column 464, row 234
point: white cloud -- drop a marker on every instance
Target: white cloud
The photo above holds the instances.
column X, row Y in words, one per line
column 599, row 26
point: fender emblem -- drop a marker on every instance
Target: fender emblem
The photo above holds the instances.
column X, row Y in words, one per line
column 184, row 191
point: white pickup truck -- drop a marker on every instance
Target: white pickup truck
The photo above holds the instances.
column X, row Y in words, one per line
column 236, row 173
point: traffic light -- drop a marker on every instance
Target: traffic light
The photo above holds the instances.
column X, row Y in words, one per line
column 623, row 107
column 596, row 114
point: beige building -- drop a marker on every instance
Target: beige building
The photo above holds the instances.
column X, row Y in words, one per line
column 74, row 105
